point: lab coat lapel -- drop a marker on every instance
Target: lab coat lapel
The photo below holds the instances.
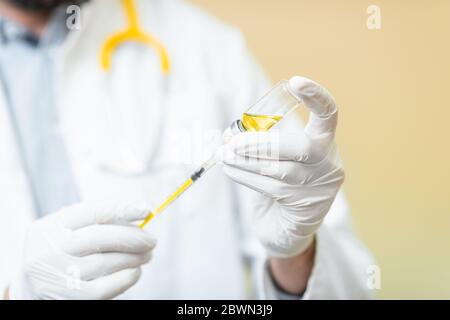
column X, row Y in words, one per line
column 13, row 178
column 16, row 205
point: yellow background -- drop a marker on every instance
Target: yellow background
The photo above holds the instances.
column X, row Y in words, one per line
column 392, row 88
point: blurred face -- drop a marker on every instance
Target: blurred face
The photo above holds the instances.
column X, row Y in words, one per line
column 41, row 5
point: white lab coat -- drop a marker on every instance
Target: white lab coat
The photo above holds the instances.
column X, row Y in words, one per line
column 134, row 133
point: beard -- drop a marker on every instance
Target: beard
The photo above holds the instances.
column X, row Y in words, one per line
column 42, row 5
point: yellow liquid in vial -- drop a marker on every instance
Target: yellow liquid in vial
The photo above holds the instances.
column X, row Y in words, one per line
column 253, row 122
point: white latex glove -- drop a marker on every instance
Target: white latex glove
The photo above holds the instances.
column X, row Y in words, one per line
column 86, row 251
column 298, row 174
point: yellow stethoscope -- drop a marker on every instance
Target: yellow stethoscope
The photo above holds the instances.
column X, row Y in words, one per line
column 133, row 32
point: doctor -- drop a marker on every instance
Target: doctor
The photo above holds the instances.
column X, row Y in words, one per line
column 81, row 148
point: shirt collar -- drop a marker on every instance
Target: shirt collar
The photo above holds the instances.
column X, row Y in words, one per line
column 10, row 31
column 55, row 31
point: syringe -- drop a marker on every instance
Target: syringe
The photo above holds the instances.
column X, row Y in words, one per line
column 189, row 182
column 262, row 116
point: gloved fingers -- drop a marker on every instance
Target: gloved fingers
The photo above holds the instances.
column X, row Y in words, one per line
column 324, row 113
column 108, row 238
column 277, row 145
column 84, row 214
column 328, row 181
column 289, row 172
column 110, row 286
column 102, row 264
column 265, row 185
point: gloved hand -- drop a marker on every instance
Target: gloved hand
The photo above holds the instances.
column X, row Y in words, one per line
column 86, row 251
column 298, row 174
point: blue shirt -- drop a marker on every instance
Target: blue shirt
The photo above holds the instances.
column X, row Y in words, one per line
column 27, row 66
